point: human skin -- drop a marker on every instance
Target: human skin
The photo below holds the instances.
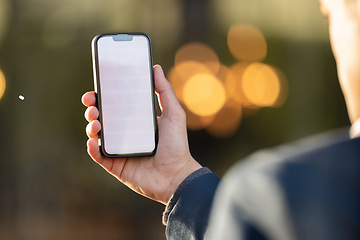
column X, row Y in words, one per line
column 344, row 31
column 158, row 176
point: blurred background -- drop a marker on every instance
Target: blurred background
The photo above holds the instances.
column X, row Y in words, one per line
column 250, row 75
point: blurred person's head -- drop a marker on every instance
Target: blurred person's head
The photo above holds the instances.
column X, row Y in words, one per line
column 344, row 30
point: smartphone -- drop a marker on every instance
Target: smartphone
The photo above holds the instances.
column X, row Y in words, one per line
column 124, row 86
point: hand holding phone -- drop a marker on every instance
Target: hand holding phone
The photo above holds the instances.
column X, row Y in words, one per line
column 157, row 176
column 124, row 86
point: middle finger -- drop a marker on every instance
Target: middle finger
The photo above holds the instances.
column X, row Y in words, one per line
column 91, row 113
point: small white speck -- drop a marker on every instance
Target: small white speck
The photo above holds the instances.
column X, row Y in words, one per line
column 21, row 97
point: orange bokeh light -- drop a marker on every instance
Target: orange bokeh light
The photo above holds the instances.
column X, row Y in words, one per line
column 261, row 84
column 214, row 96
column 233, row 85
column 204, row 95
column 182, row 72
column 246, row 43
column 2, row 84
column 198, row 52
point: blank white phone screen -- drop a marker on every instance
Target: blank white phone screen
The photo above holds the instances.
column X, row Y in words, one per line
column 126, row 92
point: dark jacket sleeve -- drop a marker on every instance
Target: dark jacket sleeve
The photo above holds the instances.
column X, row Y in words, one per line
column 188, row 219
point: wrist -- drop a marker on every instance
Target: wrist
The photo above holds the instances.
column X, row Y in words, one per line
column 189, row 167
column 355, row 129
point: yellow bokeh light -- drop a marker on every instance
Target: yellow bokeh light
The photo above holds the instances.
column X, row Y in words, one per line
column 261, row 84
column 204, row 95
column 181, row 73
column 2, row 84
column 228, row 118
column 246, row 43
column 198, row 52
column 233, row 85
column 214, row 96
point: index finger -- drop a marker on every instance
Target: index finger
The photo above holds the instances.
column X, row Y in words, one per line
column 89, row 99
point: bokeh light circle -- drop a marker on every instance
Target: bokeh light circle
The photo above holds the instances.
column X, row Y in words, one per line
column 246, row 43
column 261, row 84
column 2, row 84
column 233, row 84
column 182, row 72
column 204, row 95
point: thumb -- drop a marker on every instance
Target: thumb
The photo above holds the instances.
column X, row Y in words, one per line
column 168, row 99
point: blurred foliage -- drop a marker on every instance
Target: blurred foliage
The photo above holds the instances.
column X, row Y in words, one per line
column 50, row 188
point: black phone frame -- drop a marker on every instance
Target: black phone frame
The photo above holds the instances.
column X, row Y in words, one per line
column 96, row 71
